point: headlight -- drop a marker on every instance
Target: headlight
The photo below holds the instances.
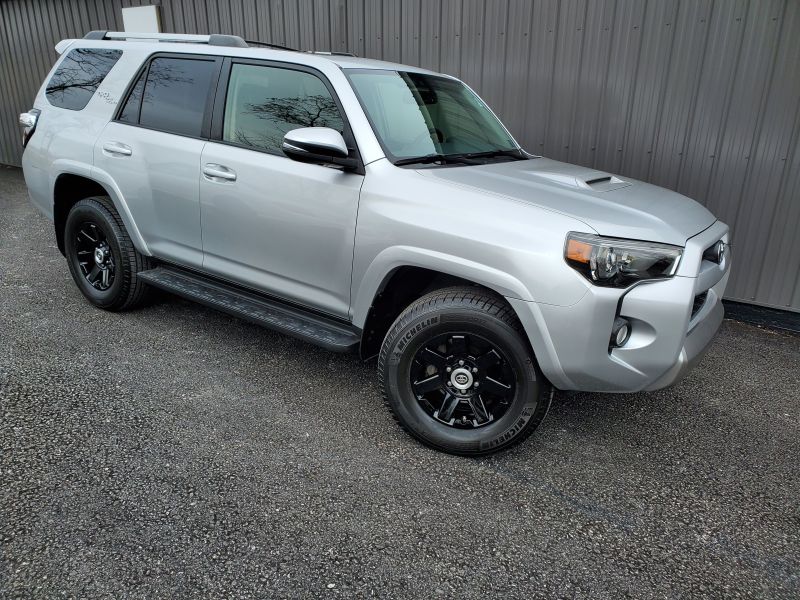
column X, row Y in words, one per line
column 618, row 263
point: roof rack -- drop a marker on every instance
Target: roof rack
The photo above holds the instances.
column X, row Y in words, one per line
column 215, row 39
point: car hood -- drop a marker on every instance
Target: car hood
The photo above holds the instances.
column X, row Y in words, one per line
column 612, row 206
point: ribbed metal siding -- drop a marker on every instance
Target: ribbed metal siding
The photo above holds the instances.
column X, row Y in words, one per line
column 700, row 96
column 29, row 30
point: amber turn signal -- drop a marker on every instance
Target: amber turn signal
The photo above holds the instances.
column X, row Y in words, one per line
column 579, row 251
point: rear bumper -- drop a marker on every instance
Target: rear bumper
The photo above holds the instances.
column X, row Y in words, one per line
column 38, row 183
column 669, row 333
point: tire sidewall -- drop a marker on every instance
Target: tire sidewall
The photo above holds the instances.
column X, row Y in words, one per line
column 86, row 212
column 523, row 412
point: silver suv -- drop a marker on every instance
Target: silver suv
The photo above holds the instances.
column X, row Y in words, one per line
column 363, row 205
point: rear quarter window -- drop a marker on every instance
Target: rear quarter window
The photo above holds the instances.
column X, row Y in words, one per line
column 79, row 75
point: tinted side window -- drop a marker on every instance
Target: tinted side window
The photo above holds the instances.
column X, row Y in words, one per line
column 175, row 94
column 264, row 103
column 79, row 75
column 130, row 112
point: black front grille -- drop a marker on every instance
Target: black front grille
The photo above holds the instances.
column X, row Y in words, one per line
column 699, row 301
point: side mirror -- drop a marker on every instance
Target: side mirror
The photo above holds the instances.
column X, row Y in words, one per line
column 318, row 145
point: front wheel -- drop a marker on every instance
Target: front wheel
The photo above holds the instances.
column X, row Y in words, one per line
column 458, row 374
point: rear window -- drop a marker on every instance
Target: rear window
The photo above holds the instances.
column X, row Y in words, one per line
column 175, row 95
column 79, row 75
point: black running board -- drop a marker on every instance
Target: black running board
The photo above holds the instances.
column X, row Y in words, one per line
column 272, row 314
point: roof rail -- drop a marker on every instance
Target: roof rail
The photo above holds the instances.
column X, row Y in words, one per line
column 331, row 53
column 269, row 45
column 215, row 39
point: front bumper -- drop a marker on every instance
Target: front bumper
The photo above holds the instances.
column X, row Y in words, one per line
column 669, row 331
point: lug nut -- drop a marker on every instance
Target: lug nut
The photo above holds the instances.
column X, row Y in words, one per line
column 474, row 369
column 449, row 369
column 476, row 384
column 461, row 363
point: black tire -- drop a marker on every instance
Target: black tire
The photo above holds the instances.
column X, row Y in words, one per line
column 468, row 317
column 123, row 289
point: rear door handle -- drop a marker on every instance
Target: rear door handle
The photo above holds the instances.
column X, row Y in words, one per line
column 215, row 172
column 117, row 148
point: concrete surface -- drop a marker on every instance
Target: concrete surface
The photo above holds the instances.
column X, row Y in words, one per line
column 176, row 452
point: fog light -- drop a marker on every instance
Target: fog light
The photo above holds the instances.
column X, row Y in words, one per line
column 620, row 332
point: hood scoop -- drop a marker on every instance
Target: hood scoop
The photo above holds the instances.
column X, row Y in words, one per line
column 596, row 182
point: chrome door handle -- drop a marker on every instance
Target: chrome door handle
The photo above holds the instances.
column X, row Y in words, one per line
column 216, row 172
column 117, row 148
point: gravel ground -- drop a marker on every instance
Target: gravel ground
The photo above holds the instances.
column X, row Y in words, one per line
column 176, row 452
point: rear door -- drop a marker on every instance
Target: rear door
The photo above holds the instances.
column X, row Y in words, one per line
column 268, row 222
column 152, row 151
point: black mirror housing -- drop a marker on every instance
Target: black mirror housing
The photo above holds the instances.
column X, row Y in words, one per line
column 324, row 157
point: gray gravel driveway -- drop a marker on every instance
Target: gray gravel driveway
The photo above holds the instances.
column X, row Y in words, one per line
column 174, row 452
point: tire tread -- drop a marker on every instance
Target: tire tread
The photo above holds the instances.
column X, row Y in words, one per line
column 135, row 291
column 459, row 297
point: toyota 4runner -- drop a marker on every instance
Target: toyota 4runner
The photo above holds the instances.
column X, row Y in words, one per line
column 363, row 205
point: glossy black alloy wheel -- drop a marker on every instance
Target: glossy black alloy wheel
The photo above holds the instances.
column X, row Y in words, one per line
column 462, row 379
column 101, row 256
column 94, row 255
column 459, row 375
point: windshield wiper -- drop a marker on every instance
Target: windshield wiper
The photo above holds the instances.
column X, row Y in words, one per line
column 518, row 154
column 467, row 158
column 435, row 158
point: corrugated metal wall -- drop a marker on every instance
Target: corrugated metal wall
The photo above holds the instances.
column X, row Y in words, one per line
column 701, row 96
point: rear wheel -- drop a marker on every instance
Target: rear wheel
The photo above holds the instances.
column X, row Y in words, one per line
column 458, row 374
column 101, row 257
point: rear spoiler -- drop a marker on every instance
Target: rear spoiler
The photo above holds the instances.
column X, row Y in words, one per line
column 63, row 45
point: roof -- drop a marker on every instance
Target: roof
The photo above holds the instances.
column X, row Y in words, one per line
column 232, row 45
column 356, row 62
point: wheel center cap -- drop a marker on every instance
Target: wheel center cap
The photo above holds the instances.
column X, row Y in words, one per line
column 99, row 256
column 461, row 379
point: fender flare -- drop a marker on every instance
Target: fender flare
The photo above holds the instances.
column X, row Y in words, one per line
column 72, row 167
column 104, row 179
column 384, row 265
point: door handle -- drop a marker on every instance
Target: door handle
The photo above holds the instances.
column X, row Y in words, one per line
column 216, row 172
column 117, row 148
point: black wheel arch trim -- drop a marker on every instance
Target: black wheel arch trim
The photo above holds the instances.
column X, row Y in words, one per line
column 87, row 187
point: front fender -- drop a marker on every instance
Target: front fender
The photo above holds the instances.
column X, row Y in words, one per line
column 394, row 257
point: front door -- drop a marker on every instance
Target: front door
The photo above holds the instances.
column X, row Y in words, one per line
column 268, row 222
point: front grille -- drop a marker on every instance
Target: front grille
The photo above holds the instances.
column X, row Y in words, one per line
column 699, row 301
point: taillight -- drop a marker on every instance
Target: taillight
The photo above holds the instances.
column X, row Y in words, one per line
column 28, row 122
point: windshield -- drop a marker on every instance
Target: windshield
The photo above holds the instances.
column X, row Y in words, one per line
column 416, row 115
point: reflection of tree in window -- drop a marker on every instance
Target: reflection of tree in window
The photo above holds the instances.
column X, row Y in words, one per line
column 163, row 74
column 175, row 93
column 285, row 114
column 79, row 75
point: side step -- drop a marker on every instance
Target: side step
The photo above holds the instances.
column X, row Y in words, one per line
column 273, row 314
